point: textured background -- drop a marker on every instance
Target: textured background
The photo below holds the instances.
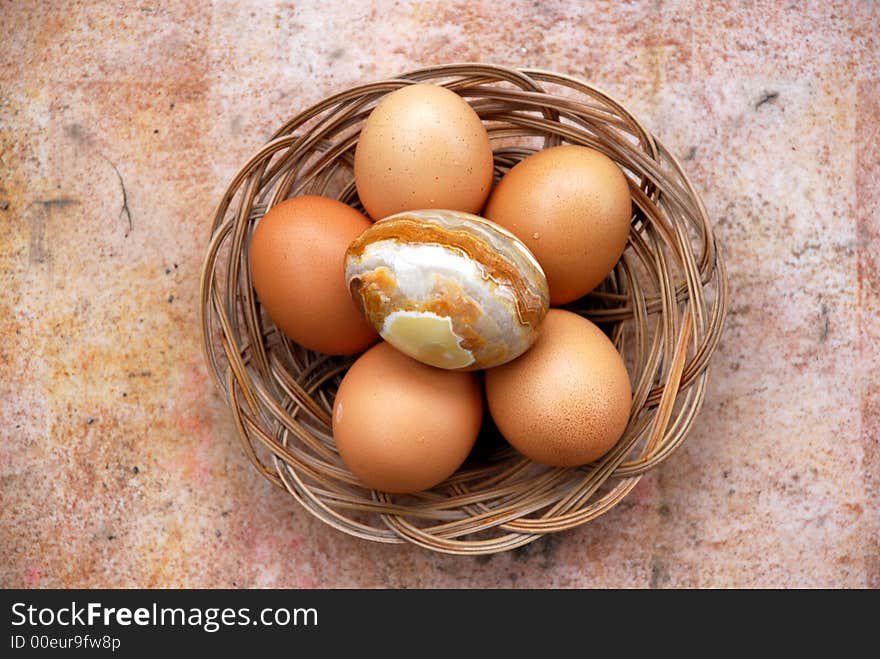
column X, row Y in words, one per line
column 119, row 128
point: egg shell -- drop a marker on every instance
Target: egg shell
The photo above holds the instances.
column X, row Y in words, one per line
column 450, row 289
column 297, row 255
column 571, row 206
column 422, row 146
column 566, row 401
column 402, row 426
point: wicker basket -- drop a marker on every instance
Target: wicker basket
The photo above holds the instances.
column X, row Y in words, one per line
column 663, row 306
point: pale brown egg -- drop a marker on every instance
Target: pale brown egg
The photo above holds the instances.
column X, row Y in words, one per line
column 566, row 401
column 402, row 426
column 571, row 206
column 297, row 258
column 422, row 146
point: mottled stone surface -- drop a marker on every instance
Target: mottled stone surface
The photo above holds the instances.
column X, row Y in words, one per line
column 119, row 464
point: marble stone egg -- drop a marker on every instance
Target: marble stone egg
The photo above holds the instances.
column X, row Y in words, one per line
column 448, row 288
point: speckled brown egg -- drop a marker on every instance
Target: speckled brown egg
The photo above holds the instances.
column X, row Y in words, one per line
column 402, row 426
column 571, row 206
column 422, row 146
column 297, row 258
column 566, row 401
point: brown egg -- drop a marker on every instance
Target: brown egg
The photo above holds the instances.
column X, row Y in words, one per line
column 422, row 146
column 566, row 401
column 297, row 259
column 571, row 206
column 402, row 426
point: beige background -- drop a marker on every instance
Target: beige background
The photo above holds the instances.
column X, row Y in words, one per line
column 119, row 128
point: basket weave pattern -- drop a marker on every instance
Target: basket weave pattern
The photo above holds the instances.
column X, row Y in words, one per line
column 663, row 306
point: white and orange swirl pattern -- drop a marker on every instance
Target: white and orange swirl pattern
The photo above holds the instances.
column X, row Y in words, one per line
column 447, row 288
